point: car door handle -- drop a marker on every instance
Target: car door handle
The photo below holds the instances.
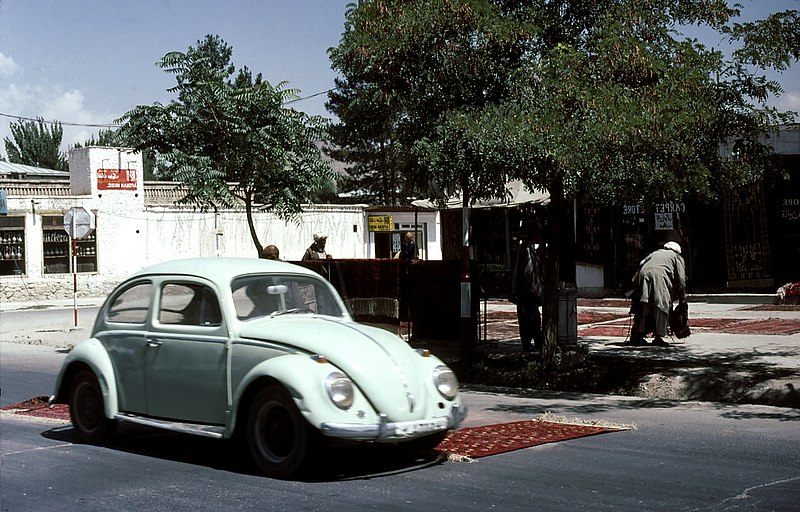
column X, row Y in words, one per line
column 153, row 343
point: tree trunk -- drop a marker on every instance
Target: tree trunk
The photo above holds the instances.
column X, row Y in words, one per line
column 248, row 209
column 552, row 270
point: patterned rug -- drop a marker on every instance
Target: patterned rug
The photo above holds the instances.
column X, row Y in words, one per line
column 773, row 307
column 475, row 442
column 768, row 326
column 37, row 406
column 469, row 443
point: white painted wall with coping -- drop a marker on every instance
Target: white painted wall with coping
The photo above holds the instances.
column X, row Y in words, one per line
column 131, row 235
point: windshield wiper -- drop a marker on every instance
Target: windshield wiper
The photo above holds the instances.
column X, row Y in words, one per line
column 285, row 311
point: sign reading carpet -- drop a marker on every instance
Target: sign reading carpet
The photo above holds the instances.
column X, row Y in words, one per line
column 475, row 442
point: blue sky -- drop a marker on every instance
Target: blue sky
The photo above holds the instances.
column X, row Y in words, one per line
column 89, row 62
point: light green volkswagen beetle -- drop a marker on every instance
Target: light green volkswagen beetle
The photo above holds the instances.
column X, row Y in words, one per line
column 263, row 349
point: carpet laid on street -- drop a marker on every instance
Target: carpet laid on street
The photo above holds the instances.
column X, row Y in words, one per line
column 37, row 406
column 776, row 326
column 476, row 442
column 501, row 325
column 464, row 444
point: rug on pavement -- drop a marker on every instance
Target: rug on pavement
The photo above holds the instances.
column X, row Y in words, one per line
column 475, row 442
column 460, row 445
column 773, row 307
column 767, row 326
column 38, row 406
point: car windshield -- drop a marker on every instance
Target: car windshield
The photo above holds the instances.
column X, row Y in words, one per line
column 261, row 295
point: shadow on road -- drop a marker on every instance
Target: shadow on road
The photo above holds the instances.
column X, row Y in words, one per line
column 336, row 463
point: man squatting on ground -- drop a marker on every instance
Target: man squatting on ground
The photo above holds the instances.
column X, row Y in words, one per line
column 660, row 280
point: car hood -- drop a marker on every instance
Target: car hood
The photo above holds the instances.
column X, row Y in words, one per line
column 383, row 366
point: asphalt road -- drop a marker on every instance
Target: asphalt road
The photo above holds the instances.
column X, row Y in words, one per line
column 683, row 456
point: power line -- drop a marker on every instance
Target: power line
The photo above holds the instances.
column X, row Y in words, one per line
column 62, row 123
column 309, row 97
column 100, row 125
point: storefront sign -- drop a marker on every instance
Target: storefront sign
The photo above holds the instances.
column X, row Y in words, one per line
column 631, row 209
column 670, row 207
column 663, row 221
column 116, row 179
column 380, row 223
column 790, row 209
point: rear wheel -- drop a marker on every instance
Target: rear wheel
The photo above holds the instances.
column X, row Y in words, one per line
column 280, row 439
column 87, row 411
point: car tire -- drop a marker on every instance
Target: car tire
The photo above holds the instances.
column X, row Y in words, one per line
column 280, row 439
column 87, row 411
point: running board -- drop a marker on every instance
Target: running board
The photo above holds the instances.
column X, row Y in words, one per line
column 213, row 431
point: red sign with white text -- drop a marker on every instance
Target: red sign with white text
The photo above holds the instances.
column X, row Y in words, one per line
column 116, row 179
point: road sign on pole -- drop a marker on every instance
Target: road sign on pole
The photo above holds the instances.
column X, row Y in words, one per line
column 78, row 222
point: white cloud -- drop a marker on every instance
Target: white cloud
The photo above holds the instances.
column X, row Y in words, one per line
column 790, row 100
column 52, row 104
column 7, row 65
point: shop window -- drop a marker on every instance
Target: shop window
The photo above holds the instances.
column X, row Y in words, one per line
column 57, row 249
column 12, row 246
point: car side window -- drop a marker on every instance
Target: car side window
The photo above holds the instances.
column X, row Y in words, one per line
column 131, row 305
column 189, row 304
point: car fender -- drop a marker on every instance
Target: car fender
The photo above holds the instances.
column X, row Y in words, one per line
column 304, row 378
column 89, row 353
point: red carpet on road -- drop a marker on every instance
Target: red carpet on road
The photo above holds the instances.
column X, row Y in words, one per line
column 475, row 442
column 716, row 325
column 502, row 324
column 37, row 406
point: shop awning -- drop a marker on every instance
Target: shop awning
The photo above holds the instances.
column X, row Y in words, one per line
column 517, row 194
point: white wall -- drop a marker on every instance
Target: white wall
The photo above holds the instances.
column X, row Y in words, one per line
column 180, row 232
column 131, row 235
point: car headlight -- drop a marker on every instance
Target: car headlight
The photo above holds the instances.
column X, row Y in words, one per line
column 340, row 390
column 445, row 381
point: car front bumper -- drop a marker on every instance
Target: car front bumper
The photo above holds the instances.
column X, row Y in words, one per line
column 385, row 430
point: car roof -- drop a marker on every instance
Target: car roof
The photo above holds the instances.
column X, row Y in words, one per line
column 222, row 270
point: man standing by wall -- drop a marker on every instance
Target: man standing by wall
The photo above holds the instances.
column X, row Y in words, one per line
column 316, row 251
column 527, row 283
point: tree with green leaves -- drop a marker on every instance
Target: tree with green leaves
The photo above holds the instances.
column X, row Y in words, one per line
column 36, row 143
column 229, row 138
column 105, row 138
column 602, row 101
column 366, row 148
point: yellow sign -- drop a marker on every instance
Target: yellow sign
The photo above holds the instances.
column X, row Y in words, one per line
column 380, row 223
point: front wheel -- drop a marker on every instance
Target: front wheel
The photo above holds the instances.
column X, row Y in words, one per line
column 281, row 440
column 86, row 409
column 424, row 444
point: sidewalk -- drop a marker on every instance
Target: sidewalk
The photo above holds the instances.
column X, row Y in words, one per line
column 742, row 348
